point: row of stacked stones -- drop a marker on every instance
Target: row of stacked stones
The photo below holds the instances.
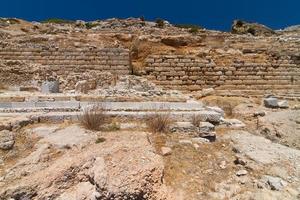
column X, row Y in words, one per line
column 68, row 65
column 63, row 61
column 188, row 72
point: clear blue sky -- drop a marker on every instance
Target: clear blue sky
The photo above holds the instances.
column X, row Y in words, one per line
column 212, row 14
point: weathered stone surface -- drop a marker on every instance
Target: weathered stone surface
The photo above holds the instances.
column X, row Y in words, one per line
column 206, row 127
column 271, row 102
column 241, row 172
column 185, row 127
column 199, row 140
column 50, row 87
column 82, row 87
column 275, row 183
column 283, row 104
column 233, row 123
column 166, row 151
column 174, row 41
column 207, row 92
column 6, row 140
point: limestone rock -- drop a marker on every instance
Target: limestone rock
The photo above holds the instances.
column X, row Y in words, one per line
column 6, row 140
column 207, row 92
column 233, row 123
column 166, row 151
column 50, row 87
column 183, row 127
column 241, row 172
column 271, row 102
column 275, row 183
column 82, row 87
column 283, row 104
column 209, row 136
column 216, row 109
column 206, row 127
column 200, row 140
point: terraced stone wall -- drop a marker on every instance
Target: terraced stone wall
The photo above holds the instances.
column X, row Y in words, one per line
column 70, row 65
column 187, row 72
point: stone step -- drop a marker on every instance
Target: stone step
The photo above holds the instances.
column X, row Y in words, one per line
column 185, row 116
column 110, row 106
column 4, row 98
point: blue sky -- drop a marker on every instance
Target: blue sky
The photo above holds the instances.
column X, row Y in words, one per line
column 212, row 14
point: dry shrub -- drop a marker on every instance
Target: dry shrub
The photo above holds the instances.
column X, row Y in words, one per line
column 93, row 118
column 228, row 109
column 159, row 123
column 196, row 119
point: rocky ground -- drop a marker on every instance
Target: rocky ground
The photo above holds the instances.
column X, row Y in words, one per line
column 66, row 161
column 249, row 149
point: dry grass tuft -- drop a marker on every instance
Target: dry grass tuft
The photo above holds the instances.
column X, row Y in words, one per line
column 93, row 118
column 228, row 109
column 159, row 123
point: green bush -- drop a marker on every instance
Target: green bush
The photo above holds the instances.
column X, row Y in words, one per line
column 160, row 23
column 58, row 21
column 90, row 25
column 193, row 28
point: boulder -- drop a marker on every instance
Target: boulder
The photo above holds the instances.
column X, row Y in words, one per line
column 283, row 104
column 185, row 127
column 206, row 127
column 82, row 87
column 216, row 109
column 242, row 27
column 50, row 87
column 275, row 183
column 7, row 140
column 271, row 102
column 209, row 136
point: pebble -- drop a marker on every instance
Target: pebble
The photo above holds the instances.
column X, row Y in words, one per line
column 166, row 151
column 241, row 172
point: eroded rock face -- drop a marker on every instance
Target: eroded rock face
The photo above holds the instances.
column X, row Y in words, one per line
column 125, row 166
column 242, row 27
column 6, row 140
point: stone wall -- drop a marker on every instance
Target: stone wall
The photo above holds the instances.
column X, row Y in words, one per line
column 188, row 72
column 64, row 61
column 24, row 66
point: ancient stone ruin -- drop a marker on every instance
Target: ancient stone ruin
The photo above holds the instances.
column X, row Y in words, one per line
column 132, row 109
